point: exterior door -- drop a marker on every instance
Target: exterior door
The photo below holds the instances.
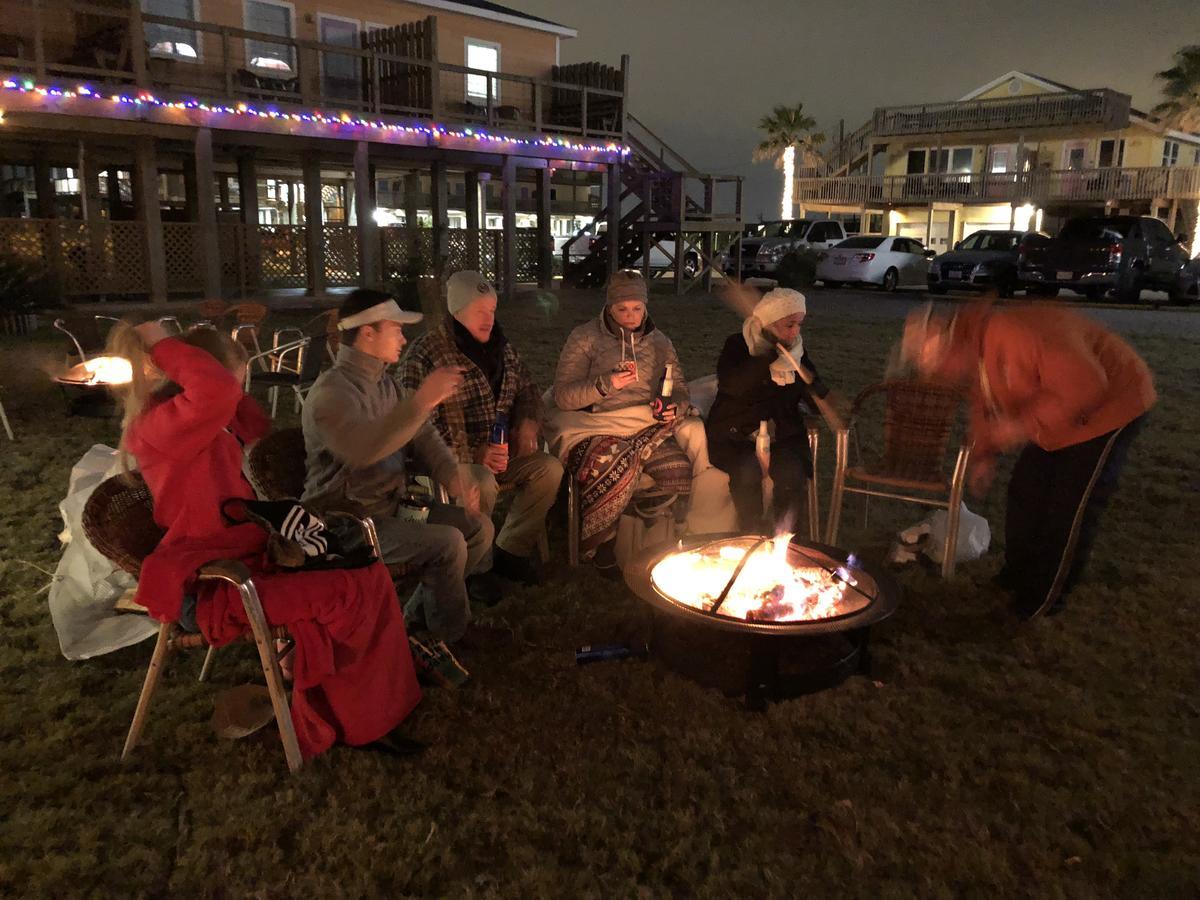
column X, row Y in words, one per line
column 1074, row 155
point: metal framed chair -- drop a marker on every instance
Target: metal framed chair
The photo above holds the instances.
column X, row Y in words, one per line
column 918, row 419
column 312, row 354
column 4, row 421
column 119, row 521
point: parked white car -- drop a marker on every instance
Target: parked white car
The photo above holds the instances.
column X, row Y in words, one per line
column 659, row 259
column 889, row 262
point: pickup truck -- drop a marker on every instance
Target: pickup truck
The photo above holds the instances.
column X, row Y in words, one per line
column 1094, row 255
column 772, row 241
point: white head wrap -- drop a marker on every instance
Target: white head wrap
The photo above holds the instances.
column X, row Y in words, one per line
column 776, row 304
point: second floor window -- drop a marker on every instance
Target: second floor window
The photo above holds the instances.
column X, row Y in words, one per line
column 483, row 55
column 1170, row 153
column 1112, row 153
column 266, row 56
column 171, row 40
column 339, row 71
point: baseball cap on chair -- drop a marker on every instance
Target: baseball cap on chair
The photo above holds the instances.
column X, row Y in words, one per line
column 366, row 307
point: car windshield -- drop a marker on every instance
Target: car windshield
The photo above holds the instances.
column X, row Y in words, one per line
column 859, row 243
column 783, row 229
column 992, row 240
column 1096, row 229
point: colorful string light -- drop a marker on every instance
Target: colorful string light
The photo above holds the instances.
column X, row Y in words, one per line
column 339, row 121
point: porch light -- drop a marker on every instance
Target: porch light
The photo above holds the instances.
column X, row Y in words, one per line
column 1021, row 217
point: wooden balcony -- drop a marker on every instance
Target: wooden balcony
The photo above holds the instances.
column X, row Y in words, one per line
column 393, row 71
column 1040, row 186
column 1102, row 108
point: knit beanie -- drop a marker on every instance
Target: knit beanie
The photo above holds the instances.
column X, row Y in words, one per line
column 627, row 284
column 464, row 288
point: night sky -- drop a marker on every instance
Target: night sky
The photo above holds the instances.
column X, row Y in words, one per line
column 704, row 72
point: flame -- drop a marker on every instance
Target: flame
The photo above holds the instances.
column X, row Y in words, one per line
column 101, row 370
column 769, row 587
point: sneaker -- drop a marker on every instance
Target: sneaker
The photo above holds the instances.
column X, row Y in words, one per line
column 485, row 588
column 484, row 637
column 520, row 569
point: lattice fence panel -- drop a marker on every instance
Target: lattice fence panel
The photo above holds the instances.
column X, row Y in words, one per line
column 405, row 250
column 181, row 248
column 284, row 256
column 525, row 249
column 239, row 260
column 341, row 255
column 103, row 257
column 27, row 239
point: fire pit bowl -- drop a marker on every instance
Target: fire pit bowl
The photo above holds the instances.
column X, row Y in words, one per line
column 765, row 617
column 87, row 386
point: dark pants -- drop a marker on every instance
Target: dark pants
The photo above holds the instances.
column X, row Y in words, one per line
column 1055, row 499
column 790, row 468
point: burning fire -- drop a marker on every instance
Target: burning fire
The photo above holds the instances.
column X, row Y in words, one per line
column 101, row 370
column 768, row 588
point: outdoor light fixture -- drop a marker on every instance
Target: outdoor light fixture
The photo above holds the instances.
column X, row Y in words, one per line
column 789, row 163
column 339, row 122
column 1021, row 217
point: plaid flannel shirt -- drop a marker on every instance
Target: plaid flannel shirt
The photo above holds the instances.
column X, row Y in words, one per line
column 465, row 419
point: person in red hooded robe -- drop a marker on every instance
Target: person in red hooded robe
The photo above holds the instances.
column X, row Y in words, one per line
column 1071, row 395
column 186, row 421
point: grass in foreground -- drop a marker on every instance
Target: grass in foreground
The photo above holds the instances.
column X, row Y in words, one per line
column 1056, row 759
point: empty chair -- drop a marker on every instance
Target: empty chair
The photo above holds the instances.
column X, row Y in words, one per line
column 918, row 419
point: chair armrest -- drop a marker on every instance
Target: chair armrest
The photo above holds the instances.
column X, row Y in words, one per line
column 230, row 570
column 365, row 522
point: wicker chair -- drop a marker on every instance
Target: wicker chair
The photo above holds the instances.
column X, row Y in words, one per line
column 119, row 521
column 918, row 419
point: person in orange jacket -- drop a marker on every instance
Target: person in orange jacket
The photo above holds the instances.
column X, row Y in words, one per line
column 1069, row 392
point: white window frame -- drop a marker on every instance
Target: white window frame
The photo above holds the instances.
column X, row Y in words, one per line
column 1118, row 153
column 358, row 29
column 1169, row 158
column 291, row 10
column 467, row 95
column 159, row 54
column 1068, row 146
column 1009, row 152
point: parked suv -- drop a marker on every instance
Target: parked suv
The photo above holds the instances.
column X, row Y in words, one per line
column 986, row 260
column 775, row 240
column 1123, row 254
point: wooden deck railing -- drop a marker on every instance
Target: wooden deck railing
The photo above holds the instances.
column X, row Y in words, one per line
column 1102, row 107
column 1041, row 185
column 395, row 70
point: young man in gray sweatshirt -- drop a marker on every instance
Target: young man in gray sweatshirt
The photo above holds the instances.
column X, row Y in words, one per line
column 357, row 428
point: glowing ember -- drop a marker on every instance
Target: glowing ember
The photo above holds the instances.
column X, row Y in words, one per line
column 770, row 586
column 101, row 370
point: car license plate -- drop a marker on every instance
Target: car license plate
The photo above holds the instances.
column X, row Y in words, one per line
column 839, row 260
column 954, row 275
column 1065, row 276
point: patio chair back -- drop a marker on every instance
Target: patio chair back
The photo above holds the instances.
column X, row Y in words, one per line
column 918, row 418
column 118, row 519
column 277, row 464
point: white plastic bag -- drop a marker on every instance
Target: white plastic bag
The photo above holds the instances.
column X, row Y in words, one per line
column 929, row 536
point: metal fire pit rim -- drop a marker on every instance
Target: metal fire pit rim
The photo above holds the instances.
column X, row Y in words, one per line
column 637, row 579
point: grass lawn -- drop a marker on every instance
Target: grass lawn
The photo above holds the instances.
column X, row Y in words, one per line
column 1057, row 758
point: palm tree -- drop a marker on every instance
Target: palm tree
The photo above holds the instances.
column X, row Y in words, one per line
column 786, row 130
column 1181, row 88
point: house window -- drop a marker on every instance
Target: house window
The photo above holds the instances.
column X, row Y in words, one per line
column 483, row 55
column 1170, row 153
column 1112, row 153
column 1000, row 159
column 1073, row 157
column 957, row 160
column 340, row 72
column 169, row 40
column 269, row 17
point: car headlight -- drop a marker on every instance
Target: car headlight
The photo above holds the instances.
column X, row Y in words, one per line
column 774, row 254
column 982, row 269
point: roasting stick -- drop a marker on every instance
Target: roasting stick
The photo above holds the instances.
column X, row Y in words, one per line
column 828, row 413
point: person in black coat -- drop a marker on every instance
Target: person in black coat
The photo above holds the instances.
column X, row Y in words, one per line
column 757, row 383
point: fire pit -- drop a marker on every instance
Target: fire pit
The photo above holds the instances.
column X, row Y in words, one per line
column 765, row 617
column 86, row 386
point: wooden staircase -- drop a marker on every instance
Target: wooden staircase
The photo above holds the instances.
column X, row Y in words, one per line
column 656, row 208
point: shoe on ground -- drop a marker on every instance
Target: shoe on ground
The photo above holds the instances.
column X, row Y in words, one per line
column 483, row 637
column 395, row 744
column 485, row 588
column 520, row 569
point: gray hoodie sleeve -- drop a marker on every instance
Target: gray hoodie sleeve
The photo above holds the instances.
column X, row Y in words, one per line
column 350, row 435
column 433, row 453
column 575, row 387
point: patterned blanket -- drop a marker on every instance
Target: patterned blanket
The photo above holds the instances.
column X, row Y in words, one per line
column 608, row 469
